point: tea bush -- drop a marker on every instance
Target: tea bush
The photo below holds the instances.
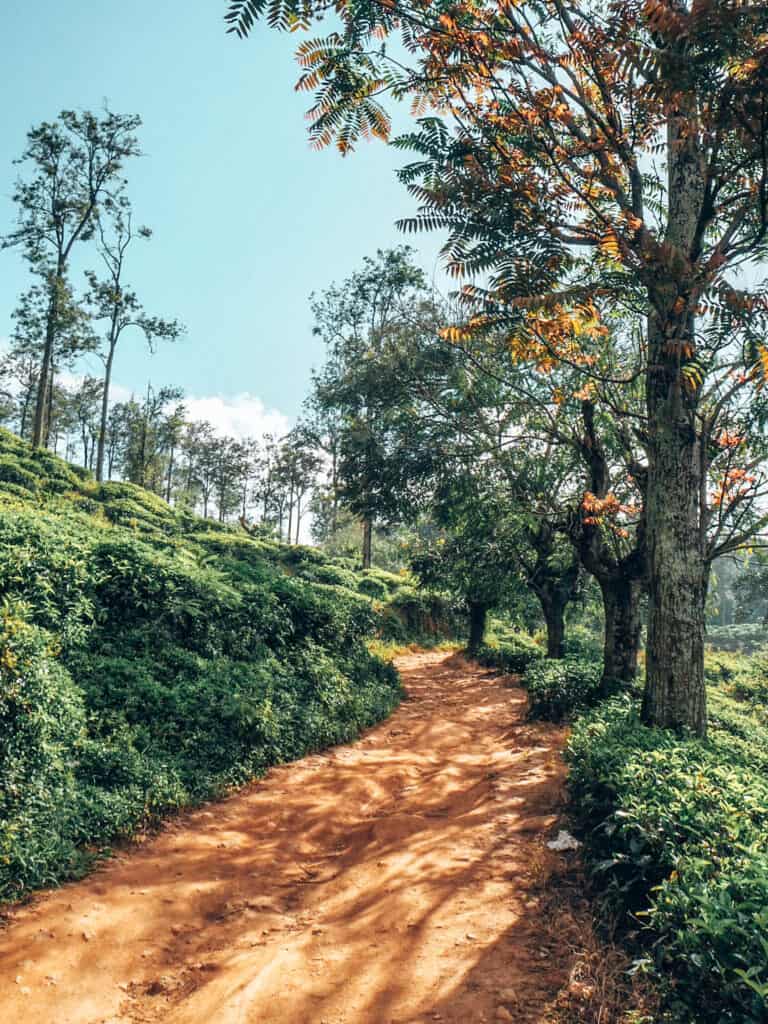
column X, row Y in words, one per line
column 14, row 471
column 582, row 643
column 559, row 689
column 746, row 637
column 675, row 834
column 510, row 652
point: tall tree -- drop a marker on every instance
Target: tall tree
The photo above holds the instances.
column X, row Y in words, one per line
column 113, row 302
column 606, row 153
column 75, row 166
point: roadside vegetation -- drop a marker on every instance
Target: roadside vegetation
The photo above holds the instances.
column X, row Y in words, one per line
column 151, row 659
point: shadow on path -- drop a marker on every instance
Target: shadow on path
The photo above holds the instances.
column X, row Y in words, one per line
column 398, row 880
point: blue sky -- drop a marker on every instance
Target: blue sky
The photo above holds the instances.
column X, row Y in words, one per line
column 248, row 220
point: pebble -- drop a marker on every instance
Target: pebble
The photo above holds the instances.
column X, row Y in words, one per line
column 507, row 995
column 503, row 1014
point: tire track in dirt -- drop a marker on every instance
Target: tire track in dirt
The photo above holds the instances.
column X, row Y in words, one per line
column 396, row 880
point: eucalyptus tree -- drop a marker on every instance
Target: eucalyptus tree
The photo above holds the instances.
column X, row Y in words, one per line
column 301, row 463
column 18, row 372
column 171, row 434
column 74, row 169
column 116, row 436
column 323, row 427
column 110, row 300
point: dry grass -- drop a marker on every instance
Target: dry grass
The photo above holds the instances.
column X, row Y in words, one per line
column 600, row 987
column 388, row 651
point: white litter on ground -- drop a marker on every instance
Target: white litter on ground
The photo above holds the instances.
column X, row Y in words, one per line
column 564, row 841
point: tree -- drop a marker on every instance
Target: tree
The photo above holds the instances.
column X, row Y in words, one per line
column 76, row 164
column 300, row 465
column 112, row 301
column 474, row 553
column 75, row 337
column 355, row 320
column 172, row 432
column 18, row 372
column 145, row 447
column 448, row 444
column 229, row 457
column 116, row 434
column 323, row 427
column 86, row 402
column 605, row 154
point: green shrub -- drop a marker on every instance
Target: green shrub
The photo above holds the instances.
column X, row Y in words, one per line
column 156, row 659
column 14, row 491
column 512, row 652
column 44, row 564
column 559, row 689
column 335, row 576
column 582, row 644
column 422, row 616
column 41, row 720
column 13, row 471
column 746, row 637
column 299, row 555
column 674, row 832
column 372, row 587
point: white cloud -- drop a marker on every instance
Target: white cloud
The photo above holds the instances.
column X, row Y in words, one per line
column 242, row 415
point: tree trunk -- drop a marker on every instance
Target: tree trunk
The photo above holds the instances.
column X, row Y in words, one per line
column 49, row 411
column 104, row 415
column 335, row 493
column 621, row 602
column 25, row 412
column 290, row 514
column 478, row 620
column 675, row 695
column 554, row 617
column 44, row 384
column 169, row 480
column 367, row 543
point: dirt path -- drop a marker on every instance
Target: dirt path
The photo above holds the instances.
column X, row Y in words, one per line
column 398, row 880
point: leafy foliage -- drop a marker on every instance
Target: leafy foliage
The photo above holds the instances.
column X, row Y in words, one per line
column 674, row 830
column 514, row 653
column 558, row 689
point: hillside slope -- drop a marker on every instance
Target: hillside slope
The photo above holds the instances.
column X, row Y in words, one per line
column 150, row 659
